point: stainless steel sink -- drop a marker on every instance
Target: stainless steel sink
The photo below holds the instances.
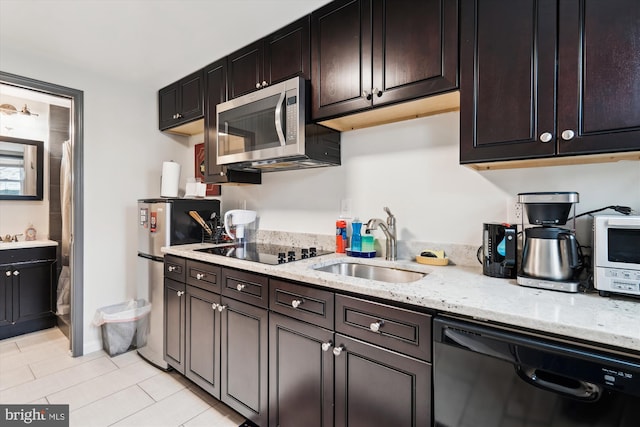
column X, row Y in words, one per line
column 372, row 272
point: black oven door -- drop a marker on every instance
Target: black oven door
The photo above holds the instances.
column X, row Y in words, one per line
column 487, row 377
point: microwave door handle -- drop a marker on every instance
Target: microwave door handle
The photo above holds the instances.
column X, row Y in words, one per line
column 278, row 121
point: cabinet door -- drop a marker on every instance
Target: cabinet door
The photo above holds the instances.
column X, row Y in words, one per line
column 245, row 70
column 244, row 359
column 32, row 291
column 598, row 76
column 203, row 339
column 168, row 106
column 507, row 79
column 216, row 92
column 6, row 296
column 300, row 374
column 375, row 387
column 415, row 49
column 340, row 58
column 287, row 53
column 174, row 324
column 191, row 90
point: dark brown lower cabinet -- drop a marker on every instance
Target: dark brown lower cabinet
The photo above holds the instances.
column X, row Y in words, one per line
column 375, row 387
column 300, row 374
column 174, row 324
column 202, row 358
column 27, row 290
column 244, row 359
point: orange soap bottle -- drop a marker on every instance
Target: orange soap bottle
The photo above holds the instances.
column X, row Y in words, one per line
column 341, row 236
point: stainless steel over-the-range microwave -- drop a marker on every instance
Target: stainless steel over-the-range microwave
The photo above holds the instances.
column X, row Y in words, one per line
column 269, row 130
column 616, row 246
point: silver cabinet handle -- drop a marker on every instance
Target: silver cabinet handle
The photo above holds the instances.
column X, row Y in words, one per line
column 240, row 287
column 546, row 137
column 377, row 92
column 296, row 303
column 264, row 83
column 375, row 327
column 337, row 350
column 171, row 268
column 257, row 85
column 16, row 273
column 221, row 307
column 326, row 346
column 367, row 95
column 214, row 305
column 568, row 134
column 200, row 276
column 180, row 293
column 8, row 273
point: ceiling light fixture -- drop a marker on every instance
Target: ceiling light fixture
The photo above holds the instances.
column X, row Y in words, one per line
column 9, row 109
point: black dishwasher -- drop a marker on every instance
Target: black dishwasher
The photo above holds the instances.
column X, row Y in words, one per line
column 492, row 377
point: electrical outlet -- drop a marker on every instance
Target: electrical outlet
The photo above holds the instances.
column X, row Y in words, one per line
column 345, row 208
column 517, row 211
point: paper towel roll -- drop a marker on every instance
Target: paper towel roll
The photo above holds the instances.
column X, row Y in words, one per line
column 170, row 179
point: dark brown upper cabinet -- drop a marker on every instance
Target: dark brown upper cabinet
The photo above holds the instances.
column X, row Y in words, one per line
column 547, row 79
column 368, row 53
column 275, row 58
column 215, row 76
column 181, row 102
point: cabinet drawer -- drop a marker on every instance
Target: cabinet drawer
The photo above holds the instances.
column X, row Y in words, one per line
column 174, row 268
column 203, row 275
column 243, row 286
column 301, row 302
column 406, row 331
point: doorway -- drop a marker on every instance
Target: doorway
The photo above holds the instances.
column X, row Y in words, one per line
column 74, row 258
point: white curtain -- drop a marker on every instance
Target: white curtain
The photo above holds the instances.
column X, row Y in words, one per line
column 64, row 281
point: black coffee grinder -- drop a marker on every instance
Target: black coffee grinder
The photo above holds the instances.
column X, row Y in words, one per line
column 499, row 250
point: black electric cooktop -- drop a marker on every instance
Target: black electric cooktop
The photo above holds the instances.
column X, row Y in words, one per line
column 265, row 253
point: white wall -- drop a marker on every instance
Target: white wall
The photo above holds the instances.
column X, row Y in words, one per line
column 17, row 215
column 412, row 167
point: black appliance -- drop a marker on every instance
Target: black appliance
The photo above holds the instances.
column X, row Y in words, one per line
column 265, row 253
column 488, row 376
column 499, row 250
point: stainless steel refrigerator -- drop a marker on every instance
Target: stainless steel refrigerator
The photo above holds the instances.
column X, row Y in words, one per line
column 163, row 222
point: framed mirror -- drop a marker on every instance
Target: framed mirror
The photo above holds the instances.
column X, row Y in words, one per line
column 21, row 169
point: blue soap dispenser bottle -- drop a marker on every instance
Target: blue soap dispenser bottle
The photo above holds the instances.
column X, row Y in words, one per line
column 356, row 236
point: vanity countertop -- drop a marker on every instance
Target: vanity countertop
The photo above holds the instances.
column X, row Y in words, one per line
column 612, row 321
column 27, row 244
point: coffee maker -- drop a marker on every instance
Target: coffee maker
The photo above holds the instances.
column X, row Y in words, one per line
column 551, row 254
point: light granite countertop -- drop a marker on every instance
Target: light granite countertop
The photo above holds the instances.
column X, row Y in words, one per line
column 27, row 244
column 463, row 290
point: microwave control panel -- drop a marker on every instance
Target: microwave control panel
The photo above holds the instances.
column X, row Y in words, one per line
column 616, row 280
column 292, row 118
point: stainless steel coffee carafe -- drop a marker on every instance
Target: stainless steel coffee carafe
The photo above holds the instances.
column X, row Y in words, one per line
column 550, row 253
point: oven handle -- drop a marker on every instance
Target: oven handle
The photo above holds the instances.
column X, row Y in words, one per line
column 584, row 391
column 278, row 120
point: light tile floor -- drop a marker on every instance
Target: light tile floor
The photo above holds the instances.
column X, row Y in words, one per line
column 103, row 391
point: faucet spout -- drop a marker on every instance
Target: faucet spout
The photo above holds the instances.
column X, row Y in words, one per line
column 389, row 230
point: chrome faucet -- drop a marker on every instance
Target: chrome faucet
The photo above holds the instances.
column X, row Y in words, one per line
column 389, row 230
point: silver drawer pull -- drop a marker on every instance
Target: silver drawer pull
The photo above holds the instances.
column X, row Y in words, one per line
column 375, row 327
column 171, row 268
column 200, row 276
column 214, row 305
column 8, row 273
column 326, row 346
column 568, row 134
column 180, row 293
column 221, row 307
column 337, row 350
column 16, row 273
column 296, row 303
column 546, row 137
column 240, row 287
